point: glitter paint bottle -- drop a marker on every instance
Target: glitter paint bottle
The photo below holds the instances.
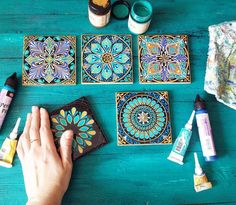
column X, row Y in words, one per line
column 204, row 130
column 6, row 96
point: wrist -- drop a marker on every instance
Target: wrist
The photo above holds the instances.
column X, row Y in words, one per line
column 44, row 201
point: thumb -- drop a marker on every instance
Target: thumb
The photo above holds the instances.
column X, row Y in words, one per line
column 66, row 147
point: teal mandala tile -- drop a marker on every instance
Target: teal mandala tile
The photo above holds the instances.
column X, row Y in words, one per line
column 143, row 118
column 106, row 59
column 164, row 59
column 49, row 60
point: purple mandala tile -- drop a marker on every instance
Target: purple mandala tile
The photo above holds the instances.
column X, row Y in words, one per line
column 164, row 59
column 49, row 60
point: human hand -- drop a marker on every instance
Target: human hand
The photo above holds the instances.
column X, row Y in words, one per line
column 46, row 173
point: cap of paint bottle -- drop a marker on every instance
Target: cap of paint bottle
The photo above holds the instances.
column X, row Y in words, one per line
column 189, row 124
column 120, row 9
column 198, row 168
column 140, row 17
column 12, row 81
column 14, row 133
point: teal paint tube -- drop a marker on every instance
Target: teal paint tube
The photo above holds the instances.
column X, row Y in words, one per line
column 182, row 141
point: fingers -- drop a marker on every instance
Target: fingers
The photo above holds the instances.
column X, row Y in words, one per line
column 25, row 137
column 45, row 131
column 66, row 148
column 34, row 127
column 20, row 150
column 24, row 142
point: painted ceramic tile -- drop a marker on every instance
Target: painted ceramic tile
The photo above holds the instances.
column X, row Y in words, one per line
column 106, row 59
column 49, row 60
column 164, row 59
column 143, row 118
column 78, row 116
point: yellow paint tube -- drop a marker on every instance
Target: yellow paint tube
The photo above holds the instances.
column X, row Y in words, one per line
column 200, row 180
column 8, row 149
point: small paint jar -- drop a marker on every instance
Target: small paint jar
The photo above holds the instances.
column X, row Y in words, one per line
column 99, row 12
column 140, row 17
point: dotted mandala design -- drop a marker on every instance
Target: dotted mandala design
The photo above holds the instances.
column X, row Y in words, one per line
column 106, row 59
column 143, row 118
column 68, row 119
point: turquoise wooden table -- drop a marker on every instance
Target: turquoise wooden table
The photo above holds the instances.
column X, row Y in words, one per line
column 123, row 175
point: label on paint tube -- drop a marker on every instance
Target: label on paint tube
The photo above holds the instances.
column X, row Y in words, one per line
column 180, row 146
column 205, row 134
column 7, row 152
column 5, row 100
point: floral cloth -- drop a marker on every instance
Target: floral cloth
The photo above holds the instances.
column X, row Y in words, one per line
column 220, row 79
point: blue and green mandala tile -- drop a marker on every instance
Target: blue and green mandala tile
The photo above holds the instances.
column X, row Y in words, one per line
column 78, row 116
column 143, row 118
column 164, row 59
column 49, row 60
column 106, row 59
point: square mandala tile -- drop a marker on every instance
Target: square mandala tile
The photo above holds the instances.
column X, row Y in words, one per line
column 78, row 116
column 106, row 59
column 49, row 60
column 164, row 59
column 143, row 118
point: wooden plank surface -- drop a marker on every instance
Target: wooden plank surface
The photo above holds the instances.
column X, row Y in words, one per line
column 123, row 175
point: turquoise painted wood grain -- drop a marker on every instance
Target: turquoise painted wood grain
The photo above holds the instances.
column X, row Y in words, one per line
column 123, row 175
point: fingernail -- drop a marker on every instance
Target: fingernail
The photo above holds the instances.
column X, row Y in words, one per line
column 42, row 109
column 69, row 134
column 34, row 108
column 29, row 115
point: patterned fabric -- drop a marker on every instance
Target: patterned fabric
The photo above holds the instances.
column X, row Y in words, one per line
column 220, row 79
column 49, row 60
column 106, row 59
column 164, row 59
column 143, row 118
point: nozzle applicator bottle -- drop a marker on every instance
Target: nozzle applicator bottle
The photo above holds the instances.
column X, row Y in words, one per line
column 182, row 142
column 6, row 96
column 8, row 149
column 204, row 130
column 200, row 180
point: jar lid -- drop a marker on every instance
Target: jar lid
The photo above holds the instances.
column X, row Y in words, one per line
column 120, row 9
column 99, row 9
column 141, row 11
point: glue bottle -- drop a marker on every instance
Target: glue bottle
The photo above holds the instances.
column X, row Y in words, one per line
column 204, row 130
column 201, row 182
column 8, row 149
column 6, row 96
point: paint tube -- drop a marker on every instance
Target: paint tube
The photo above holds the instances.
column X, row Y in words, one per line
column 8, row 149
column 6, row 96
column 200, row 180
column 204, row 130
column 182, row 141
